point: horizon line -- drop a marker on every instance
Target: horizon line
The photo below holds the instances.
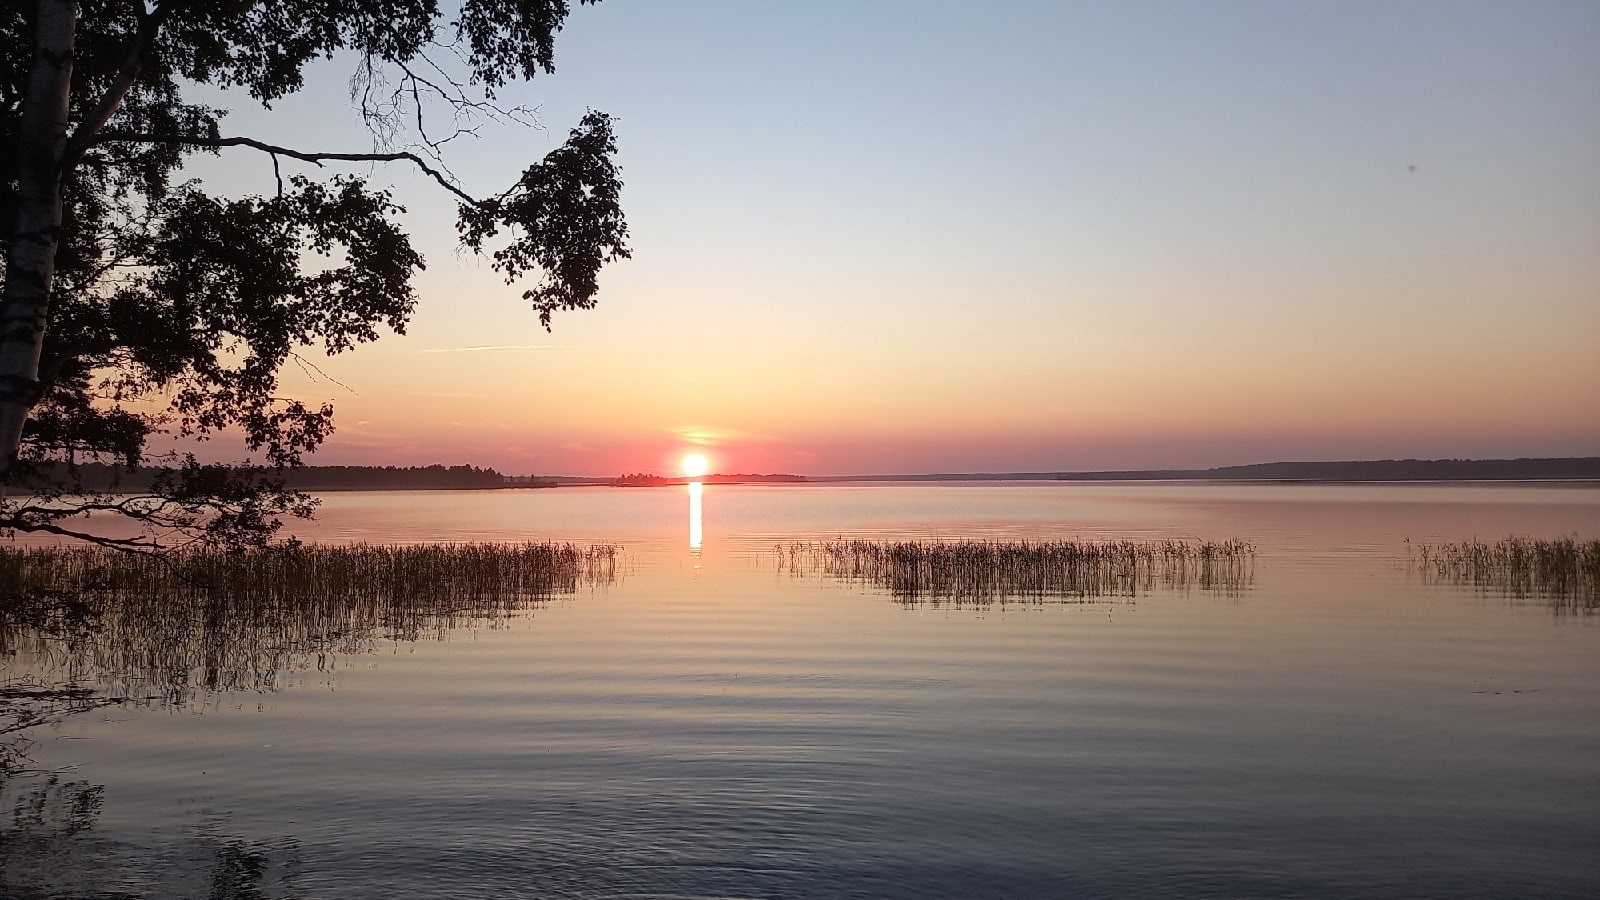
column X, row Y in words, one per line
column 1084, row 473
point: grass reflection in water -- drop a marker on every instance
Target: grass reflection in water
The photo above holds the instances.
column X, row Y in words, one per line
column 1565, row 572
column 179, row 628
column 982, row 572
column 209, row 621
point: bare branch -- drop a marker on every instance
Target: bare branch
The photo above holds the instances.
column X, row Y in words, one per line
column 145, row 545
column 313, row 370
column 302, row 155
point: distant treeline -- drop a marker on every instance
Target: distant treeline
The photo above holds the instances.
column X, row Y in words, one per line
column 97, row 476
column 640, row 479
column 1585, row 468
column 1374, row 470
column 101, row 477
column 393, row 477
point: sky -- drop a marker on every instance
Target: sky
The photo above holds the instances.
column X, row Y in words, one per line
column 913, row 236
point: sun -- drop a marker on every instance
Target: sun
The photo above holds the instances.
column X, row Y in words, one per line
column 695, row 464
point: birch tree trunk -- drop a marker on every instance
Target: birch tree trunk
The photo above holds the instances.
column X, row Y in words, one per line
column 30, row 262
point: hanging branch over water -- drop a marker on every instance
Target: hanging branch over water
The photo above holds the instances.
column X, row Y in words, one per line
column 141, row 313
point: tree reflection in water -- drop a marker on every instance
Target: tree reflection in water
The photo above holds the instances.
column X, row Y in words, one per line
column 49, row 851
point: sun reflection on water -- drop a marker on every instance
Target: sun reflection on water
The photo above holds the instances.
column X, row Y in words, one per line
column 696, row 534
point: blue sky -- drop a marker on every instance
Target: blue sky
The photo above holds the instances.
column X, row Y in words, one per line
column 897, row 236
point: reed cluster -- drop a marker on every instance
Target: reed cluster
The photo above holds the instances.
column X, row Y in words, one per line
column 990, row 571
column 1564, row 571
column 237, row 621
column 436, row 572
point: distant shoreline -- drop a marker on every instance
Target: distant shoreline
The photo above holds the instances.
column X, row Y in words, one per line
column 1383, row 471
column 1026, row 478
column 1573, row 471
column 994, row 479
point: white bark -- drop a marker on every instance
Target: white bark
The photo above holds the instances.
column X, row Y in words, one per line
column 30, row 262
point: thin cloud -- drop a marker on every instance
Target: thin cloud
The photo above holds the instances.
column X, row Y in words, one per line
column 702, row 435
column 483, row 347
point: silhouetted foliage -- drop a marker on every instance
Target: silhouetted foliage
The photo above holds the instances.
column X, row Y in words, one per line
column 641, row 479
column 135, row 305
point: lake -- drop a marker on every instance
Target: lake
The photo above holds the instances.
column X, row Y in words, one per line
column 716, row 718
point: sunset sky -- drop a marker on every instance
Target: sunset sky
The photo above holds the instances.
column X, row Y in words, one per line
column 920, row 236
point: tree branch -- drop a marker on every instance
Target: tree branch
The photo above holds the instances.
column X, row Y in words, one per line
column 302, row 155
column 143, row 545
column 144, row 39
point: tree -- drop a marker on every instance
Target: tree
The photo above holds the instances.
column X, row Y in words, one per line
column 134, row 306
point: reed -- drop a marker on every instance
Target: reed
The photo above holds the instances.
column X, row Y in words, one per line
column 1565, row 571
column 984, row 572
column 202, row 621
column 436, row 572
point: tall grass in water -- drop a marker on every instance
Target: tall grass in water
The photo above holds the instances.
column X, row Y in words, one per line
column 1565, row 572
column 208, row 621
column 989, row 571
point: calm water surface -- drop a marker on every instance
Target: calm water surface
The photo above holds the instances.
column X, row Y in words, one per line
column 713, row 724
